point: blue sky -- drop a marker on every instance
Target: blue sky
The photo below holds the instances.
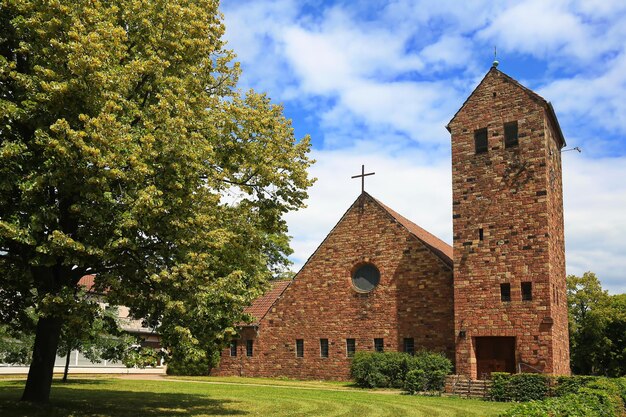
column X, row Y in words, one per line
column 375, row 83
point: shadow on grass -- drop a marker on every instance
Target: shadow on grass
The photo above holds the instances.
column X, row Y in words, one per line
column 107, row 402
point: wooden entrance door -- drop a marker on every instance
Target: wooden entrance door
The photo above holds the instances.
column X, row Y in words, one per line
column 494, row 354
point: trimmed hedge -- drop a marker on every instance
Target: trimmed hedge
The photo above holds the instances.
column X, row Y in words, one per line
column 519, row 387
column 571, row 384
column 426, row 371
column 569, row 405
column 578, row 396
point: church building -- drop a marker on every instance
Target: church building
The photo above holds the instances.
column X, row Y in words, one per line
column 494, row 301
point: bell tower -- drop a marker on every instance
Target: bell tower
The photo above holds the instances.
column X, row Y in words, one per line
column 510, row 301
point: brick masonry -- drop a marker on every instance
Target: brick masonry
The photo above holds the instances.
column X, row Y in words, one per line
column 515, row 196
column 412, row 299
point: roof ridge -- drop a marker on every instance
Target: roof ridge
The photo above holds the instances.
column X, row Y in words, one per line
column 441, row 248
column 535, row 96
column 263, row 304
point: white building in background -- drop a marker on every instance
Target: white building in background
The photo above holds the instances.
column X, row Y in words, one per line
column 80, row 364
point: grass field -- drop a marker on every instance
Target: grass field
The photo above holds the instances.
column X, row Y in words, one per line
column 230, row 397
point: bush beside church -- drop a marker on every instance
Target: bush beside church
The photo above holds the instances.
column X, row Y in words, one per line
column 423, row 372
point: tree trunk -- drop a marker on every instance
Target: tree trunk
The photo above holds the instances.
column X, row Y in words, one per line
column 39, row 379
column 67, row 364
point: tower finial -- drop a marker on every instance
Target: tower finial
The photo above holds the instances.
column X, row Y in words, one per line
column 495, row 58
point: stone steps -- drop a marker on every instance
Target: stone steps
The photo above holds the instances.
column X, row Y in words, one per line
column 464, row 387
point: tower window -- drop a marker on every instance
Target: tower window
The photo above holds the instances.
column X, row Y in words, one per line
column 350, row 347
column 249, row 347
column 233, row 348
column 505, row 292
column 409, row 345
column 480, row 140
column 300, row 348
column 510, row 135
column 481, row 234
column 379, row 345
column 527, row 291
column 324, row 348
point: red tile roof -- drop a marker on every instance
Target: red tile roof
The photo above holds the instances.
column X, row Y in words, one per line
column 87, row 282
column 438, row 246
column 261, row 306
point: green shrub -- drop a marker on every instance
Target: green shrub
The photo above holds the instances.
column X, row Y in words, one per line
column 437, row 380
column 394, row 365
column 621, row 386
column 366, row 370
column 416, row 381
column 529, row 387
column 571, row 384
column 571, row 405
column 500, row 386
column 390, row 369
column 182, row 365
column 593, row 397
column 518, row 387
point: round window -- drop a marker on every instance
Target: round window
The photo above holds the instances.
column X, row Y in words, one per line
column 365, row 278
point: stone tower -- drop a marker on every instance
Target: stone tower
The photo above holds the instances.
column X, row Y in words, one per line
column 510, row 307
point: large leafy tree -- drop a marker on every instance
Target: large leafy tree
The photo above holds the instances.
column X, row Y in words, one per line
column 127, row 151
column 597, row 327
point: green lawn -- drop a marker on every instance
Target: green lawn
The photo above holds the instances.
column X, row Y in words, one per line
column 231, row 397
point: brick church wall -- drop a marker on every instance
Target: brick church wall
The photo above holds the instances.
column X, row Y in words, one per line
column 412, row 300
column 556, row 250
column 506, row 192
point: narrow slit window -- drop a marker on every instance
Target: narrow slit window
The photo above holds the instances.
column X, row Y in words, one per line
column 233, row 348
column 324, row 348
column 249, row 347
column 527, row 291
column 350, row 347
column 481, row 234
column 505, row 292
column 379, row 345
column 300, row 348
column 480, row 140
column 510, row 135
column 409, row 345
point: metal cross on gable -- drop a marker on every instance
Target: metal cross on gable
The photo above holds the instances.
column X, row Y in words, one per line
column 362, row 176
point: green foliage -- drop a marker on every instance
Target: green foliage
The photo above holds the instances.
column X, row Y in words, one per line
column 95, row 332
column 597, row 327
column 128, row 151
column 435, row 365
column 16, row 348
column 141, row 357
column 571, row 384
column 588, row 396
column 366, row 370
column 528, row 387
column 499, row 390
column 192, row 367
column 570, row 405
column 416, row 381
column 393, row 369
column 519, row 387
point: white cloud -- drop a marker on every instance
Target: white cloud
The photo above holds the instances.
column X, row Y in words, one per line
column 448, row 52
column 412, row 183
column 540, row 28
column 596, row 100
column 383, row 78
column 594, row 198
column 253, row 31
column 419, row 187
